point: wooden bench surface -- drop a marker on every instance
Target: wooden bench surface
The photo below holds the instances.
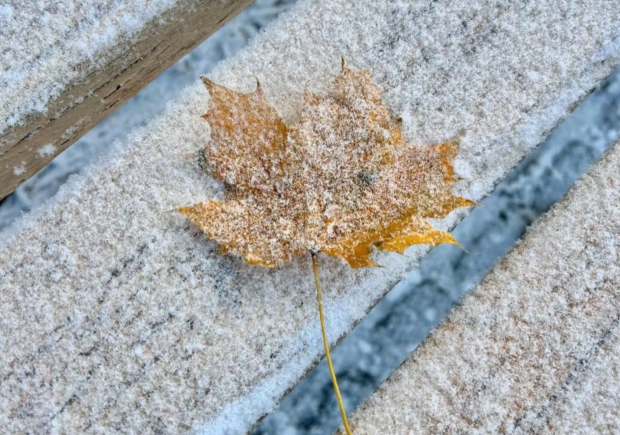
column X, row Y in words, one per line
column 119, row 315
column 535, row 348
column 82, row 64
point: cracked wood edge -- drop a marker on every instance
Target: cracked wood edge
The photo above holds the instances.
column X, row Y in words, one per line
column 86, row 102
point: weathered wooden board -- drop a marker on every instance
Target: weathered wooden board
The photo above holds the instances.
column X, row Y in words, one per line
column 535, row 348
column 105, row 84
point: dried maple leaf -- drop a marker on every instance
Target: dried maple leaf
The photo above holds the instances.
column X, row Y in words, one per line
column 340, row 181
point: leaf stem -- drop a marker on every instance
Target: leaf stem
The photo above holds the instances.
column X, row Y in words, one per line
column 319, row 299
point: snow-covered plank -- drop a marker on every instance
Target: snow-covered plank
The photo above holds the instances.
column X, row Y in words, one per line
column 67, row 65
column 535, row 348
column 118, row 314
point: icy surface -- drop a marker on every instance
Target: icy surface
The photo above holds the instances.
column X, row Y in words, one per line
column 118, row 314
column 533, row 349
column 72, row 39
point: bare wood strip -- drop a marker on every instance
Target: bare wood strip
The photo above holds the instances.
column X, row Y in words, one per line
column 85, row 103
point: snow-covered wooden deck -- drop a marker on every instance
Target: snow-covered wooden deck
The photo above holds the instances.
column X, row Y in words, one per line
column 536, row 347
column 85, row 59
column 119, row 316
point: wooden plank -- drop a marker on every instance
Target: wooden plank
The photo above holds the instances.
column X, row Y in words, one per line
column 119, row 315
column 535, row 347
column 27, row 147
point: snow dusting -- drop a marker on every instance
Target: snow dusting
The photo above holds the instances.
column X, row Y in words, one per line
column 46, row 150
column 141, row 108
column 72, row 39
column 542, row 334
column 19, row 170
column 106, row 267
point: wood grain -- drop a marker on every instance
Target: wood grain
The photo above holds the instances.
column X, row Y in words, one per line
column 85, row 103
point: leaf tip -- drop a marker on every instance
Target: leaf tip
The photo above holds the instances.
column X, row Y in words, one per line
column 184, row 210
column 208, row 82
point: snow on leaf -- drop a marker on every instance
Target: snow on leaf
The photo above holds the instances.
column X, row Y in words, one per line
column 341, row 181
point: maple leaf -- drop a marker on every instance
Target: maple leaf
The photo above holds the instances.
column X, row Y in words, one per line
column 340, row 181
